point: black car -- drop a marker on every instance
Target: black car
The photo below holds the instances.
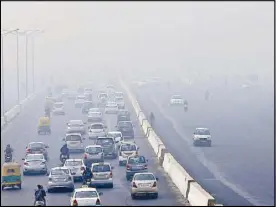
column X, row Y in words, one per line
column 126, row 128
column 86, row 106
column 123, row 115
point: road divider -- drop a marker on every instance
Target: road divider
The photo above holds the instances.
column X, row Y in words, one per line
column 13, row 112
column 188, row 187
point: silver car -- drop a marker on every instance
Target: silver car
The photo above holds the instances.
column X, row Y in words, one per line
column 74, row 142
column 34, row 164
column 58, row 108
column 93, row 153
column 60, row 178
column 76, row 126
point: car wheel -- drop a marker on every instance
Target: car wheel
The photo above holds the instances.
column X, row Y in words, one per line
column 155, row 196
column 133, row 196
column 3, row 187
column 72, row 189
column 49, row 191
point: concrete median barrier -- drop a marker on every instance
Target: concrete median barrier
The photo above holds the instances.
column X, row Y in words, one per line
column 12, row 113
column 179, row 176
column 3, row 122
column 197, row 196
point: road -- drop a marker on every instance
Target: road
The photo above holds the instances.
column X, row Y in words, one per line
column 23, row 130
column 239, row 168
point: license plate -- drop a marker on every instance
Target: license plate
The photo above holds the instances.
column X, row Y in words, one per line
column 145, row 185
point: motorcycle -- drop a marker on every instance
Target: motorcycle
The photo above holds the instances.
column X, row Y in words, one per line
column 63, row 158
column 39, row 203
column 86, row 181
column 8, row 157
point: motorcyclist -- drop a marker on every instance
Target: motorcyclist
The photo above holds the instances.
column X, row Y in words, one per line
column 87, row 174
column 8, row 150
column 64, row 151
column 40, row 194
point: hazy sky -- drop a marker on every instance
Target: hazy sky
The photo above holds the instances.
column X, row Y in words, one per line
column 205, row 36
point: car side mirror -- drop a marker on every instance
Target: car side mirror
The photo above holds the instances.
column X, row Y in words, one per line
column 23, row 158
column 194, row 132
column 112, row 168
column 157, row 179
column 47, row 174
column 138, row 148
column 100, row 193
column 147, row 160
column 63, row 139
column 46, row 146
column 26, row 147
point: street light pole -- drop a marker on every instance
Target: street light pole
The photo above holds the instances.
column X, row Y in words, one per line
column 17, row 68
column 26, row 62
column 2, row 77
column 33, row 62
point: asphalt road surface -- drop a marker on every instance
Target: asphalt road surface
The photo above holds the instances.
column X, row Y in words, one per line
column 24, row 130
column 239, row 168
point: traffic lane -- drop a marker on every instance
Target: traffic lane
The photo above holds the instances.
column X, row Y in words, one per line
column 194, row 161
column 243, row 142
column 167, row 196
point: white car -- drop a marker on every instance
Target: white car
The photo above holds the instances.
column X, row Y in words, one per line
column 86, row 196
column 58, row 108
column 34, row 164
column 93, row 153
column 127, row 149
column 76, row 126
column 74, row 142
column 94, row 116
column 120, row 102
column 80, row 101
column 111, row 108
column 96, row 130
column 176, row 100
column 102, row 175
column 144, row 184
column 76, row 166
column 119, row 95
column 202, row 137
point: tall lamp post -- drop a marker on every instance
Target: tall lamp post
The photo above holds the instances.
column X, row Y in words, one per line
column 5, row 32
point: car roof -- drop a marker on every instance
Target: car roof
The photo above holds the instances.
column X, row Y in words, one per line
column 81, row 96
column 115, row 132
column 61, row 102
column 94, row 145
column 94, row 108
column 76, row 134
column 143, row 173
column 105, row 137
column 128, row 142
column 29, row 155
column 36, row 143
column 85, row 189
column 202, row 129
column 74, row 160
column 101, row 163
column 60, row 168
column 96, row 123
column 75, row 121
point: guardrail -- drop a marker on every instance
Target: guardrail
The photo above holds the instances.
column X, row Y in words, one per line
column 12, row 113
column 188, row 187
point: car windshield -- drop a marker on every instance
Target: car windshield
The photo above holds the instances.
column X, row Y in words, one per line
column 105, row 141
column 94, row 113
column 176, row 97
column 81, row 97
column 58, row 105
column 123, row 113
column 86, row 194
column 34, row 157
column 101, row 168
column 97, row 126
column 125, row 125
column 115, row 134
column 73, row 163
column 128, row 147
column 103, row 95
column 36, row 145
column 119, row 99
column 60, row 172
column 75, row 123
column 144, row 177
column 136, row 160
column 94, row 109
column 202, row 132
column 73, row 138
column 92, row 150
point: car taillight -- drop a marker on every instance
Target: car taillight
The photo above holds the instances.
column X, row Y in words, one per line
column 154, row 184
column 98, row 202
column 134, row 185
column 85, row 156
column 110, row 175
column 145, row 166
column 82, row 168
column 75, row 203
column 28, row 150
column 128, row 166
column 25, row 163
column 50, row 179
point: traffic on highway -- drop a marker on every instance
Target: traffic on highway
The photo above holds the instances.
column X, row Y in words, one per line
column 81, row 158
